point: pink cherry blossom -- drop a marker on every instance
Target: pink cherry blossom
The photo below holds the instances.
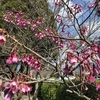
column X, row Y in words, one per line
column 95, row 71
column 98, row 87
column 7, row 17
column 73, row 60
column 66, row 69
column 33, row 26
column 9, row 60
column 13, row 87
column 8, row 96
column 98, row 50
column 91, row 6
column 32, row 62
column 83, row 30
column 57, row 3
column 91, row 78
column 58, row 19
column 25, row 88
column 15, row 58
column 76, row 8
column 2, row 39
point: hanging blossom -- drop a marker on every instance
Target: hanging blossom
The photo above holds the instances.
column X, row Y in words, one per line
column 91, row 78
column 98, row 87
column 32, row 62
column 12, row 59
column 14, row 87
column 66, row 69
column 95, row 71
column 72, row 60
column 2, row 39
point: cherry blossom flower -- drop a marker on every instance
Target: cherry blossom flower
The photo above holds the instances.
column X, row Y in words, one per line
column 7, row 17
column 25, row 88
column 58, row 19
column 15, row 58
column 66, row 69
column 76, row 8
column 57, row 3
column 8, row 96
column 83, row 30
column 95, row 71
column 91, row 6
column 40, row 35
column 98, row 87
column 13, row 87
column 73, row 60
column 33, row 26
column 12, row 59
column 2, row 39
column 9, row 60
column 91, row 78
column 32, row 62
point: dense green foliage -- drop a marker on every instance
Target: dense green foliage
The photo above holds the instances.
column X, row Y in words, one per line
column 53, row 91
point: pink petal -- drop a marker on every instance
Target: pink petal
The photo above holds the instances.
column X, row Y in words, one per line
column 9, row 60
column 98, row 87
column 15, row 58
column 8, row 96
column 91, row 79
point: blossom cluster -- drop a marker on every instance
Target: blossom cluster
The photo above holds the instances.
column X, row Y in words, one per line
column 32, row 62
column 19, row 19
column 76, row 8
column 12, row 59
column 29, row 59
column 14, row 87
column 93, row 5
